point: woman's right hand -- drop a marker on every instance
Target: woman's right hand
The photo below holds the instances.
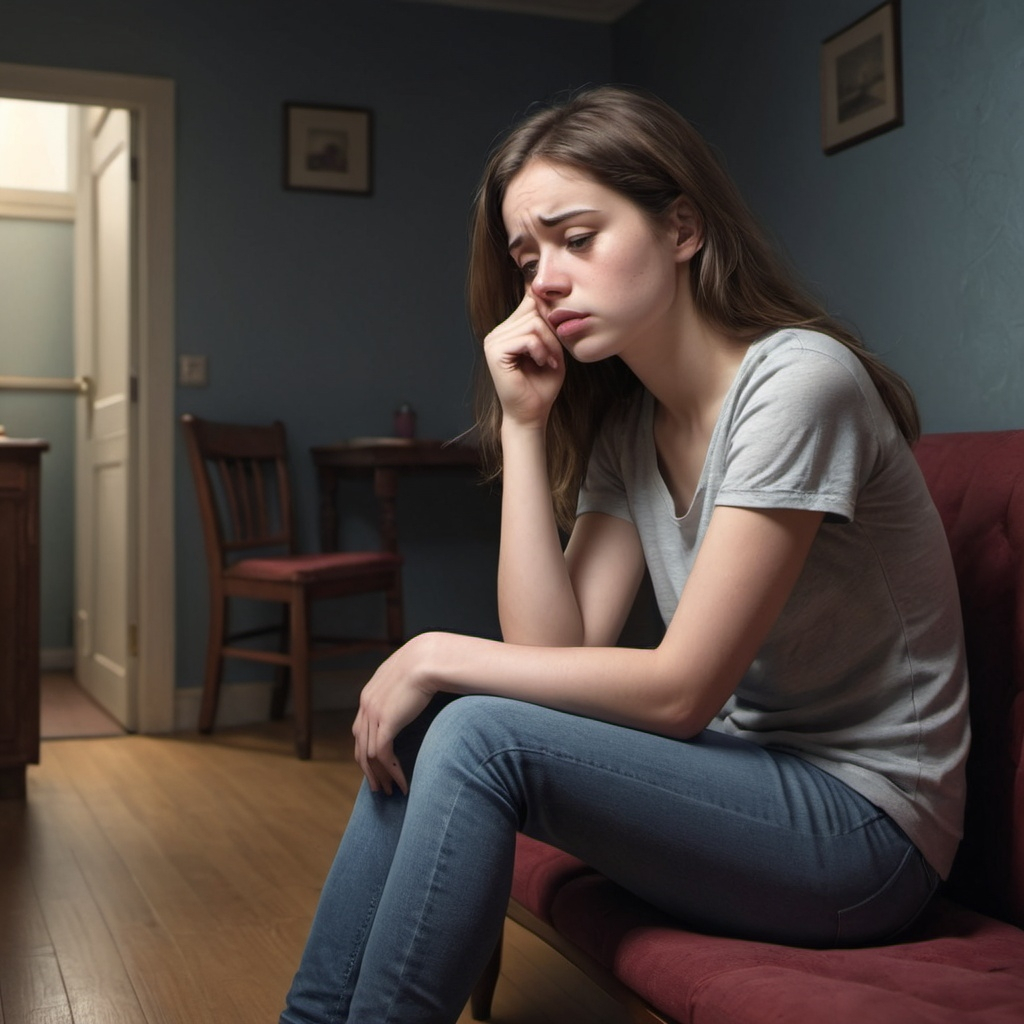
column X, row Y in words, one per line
column 527, row 364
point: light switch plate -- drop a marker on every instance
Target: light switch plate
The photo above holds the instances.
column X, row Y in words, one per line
column 192, row 371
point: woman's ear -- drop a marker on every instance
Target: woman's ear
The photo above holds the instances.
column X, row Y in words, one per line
column 688, row 229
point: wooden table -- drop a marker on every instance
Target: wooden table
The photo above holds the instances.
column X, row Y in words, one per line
column 383, row 458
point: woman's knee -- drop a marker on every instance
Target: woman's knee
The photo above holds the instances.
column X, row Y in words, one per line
column 474, row 736
column 467, row 761
column 472, row 722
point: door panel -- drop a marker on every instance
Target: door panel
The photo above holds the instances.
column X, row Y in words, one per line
column 105, row 660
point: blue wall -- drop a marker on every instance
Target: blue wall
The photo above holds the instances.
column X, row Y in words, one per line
column 915, row 236
column 36, row 341
column 327, row 311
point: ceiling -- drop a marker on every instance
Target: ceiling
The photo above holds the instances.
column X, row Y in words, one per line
column 605, row 11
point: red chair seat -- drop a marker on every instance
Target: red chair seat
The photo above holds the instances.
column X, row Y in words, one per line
column 313, row 568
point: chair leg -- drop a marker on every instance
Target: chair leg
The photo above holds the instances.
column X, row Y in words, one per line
column 282, row 674
column 483, row 992
column 299, row 647
column 214, row 663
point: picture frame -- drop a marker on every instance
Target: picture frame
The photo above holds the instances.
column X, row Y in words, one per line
column 861, row 79
column 328, row 149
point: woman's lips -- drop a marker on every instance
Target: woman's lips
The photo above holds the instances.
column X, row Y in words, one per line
column 567, row 323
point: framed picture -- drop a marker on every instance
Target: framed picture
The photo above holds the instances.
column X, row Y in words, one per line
column 328, row 149
column 861, row 86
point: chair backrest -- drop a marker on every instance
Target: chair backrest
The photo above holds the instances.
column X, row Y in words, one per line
column 977, row 482
column 241, row 476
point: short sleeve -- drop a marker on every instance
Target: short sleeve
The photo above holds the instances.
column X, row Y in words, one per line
column 807, row 437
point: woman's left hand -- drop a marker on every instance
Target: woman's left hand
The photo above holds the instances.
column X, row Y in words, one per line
column 395, row 695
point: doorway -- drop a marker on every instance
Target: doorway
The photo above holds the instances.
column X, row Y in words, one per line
column 148, row 588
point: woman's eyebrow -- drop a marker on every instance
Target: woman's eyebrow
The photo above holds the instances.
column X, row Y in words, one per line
column 549, row 222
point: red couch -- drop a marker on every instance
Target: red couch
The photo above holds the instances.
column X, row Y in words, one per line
column 964, row 959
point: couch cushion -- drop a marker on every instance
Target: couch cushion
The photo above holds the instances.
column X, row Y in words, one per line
column 703, row 979
column 977, row 483
column 540, row 872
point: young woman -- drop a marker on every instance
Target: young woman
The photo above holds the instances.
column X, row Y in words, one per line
column 787, row 764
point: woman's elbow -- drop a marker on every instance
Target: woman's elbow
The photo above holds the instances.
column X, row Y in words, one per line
column 684, row 722
column 689, row 706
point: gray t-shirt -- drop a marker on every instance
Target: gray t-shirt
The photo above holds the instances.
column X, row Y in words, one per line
column 864, row 673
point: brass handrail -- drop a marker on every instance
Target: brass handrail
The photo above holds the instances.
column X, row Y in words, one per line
column 79, row 385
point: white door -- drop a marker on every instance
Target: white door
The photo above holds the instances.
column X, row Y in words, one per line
column 105, row 619
column 151, row 101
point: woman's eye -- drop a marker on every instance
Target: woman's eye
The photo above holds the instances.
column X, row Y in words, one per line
column 579, row 242
column 528, row 269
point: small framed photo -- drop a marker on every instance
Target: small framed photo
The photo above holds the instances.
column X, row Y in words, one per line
column 861, row 84
column 328, row 149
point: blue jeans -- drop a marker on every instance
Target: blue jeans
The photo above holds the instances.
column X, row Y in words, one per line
column 725, row 835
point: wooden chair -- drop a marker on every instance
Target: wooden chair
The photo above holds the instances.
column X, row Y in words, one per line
column 241, row 475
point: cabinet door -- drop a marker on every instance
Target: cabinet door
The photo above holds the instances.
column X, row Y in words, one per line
column 19, row 609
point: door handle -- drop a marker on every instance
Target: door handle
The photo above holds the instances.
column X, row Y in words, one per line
column 77, row 385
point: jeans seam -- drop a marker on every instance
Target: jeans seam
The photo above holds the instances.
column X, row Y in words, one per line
column 358, row 947
column 923, row 869
column 432, row 888
column 619, row 773
column 427, row 901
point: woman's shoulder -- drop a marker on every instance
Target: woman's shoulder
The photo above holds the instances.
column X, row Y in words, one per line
column 809, row 380
column 793, row 344
column 805, row 358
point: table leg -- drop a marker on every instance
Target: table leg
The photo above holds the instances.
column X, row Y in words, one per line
column 327, row 480
column 385, row 487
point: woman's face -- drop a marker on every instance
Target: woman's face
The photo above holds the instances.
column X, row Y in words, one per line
column 600, row 272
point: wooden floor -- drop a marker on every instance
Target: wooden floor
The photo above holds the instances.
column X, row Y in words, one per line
column 172, row 880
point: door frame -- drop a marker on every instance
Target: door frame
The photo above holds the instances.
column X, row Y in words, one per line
column 151, row 100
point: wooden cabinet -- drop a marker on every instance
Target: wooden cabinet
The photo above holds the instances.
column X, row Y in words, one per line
column 19, row 612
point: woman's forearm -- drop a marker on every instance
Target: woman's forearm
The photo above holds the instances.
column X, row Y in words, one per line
column 536, row 602
column 748, row 565
column 628, row 686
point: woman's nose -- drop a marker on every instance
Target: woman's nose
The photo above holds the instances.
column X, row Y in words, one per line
column 550, row 278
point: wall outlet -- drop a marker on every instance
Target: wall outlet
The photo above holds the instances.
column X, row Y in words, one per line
column 192, row 371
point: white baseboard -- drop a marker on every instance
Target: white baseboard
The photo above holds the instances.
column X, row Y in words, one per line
column 57, row 659
column 245, row 703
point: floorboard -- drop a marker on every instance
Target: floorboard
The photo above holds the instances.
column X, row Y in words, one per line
column 171, row 880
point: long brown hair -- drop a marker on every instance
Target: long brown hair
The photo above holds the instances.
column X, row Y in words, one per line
column 635, row 144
